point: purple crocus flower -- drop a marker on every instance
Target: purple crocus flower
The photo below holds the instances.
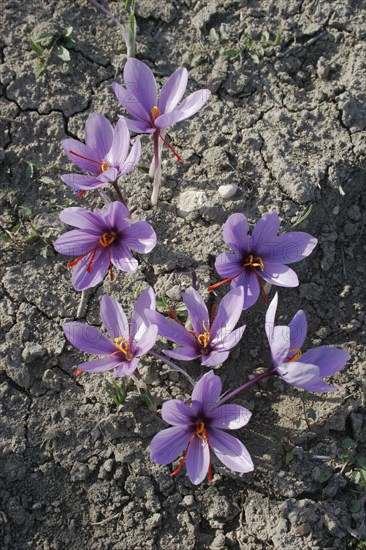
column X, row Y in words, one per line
column 128, row 343
column 103, row 239
column 104, row 155
column 261, row 255
column 304, row 370
column 196, row 430
column 212, row 337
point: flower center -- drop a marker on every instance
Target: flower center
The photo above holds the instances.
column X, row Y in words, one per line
column 204, row 338
column 123, row 345
column 201, row 432
column 102, row 163
column 297, row 354
column 155, row 112
column 107, row 239
column 254, row 261
column 105, row 166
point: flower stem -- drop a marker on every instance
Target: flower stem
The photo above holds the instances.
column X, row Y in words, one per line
column 83, row 304
column 157, row 169
column 247, row 385
column 172, row 365
column 119, row 193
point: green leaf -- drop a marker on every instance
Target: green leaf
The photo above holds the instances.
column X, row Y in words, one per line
column 148, row 400
column 43, row 36
column 132, row 23
column 36, row 47
column 16, row 228
column 277, row 39
column 47, row 180
column 361, row 461
column 62, row 53
column 33, row 237
column 289, row 457
column 311, row 413
column 67, row 31
column 348, row 443
column 213, row 35
column 265, row 36
column 303, row 217
column 325, row 475
column 255, row 58
column 231, row 54
column 44, row 251
column 355, row 506
column 39, row 70
column 69, row 42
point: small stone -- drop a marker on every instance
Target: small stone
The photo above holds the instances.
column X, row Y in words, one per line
column 108, row 465
column 190, row 201
column 228, row 191
column 302, row 530
column 336, row 211
column 188, row 500
column 31, row 351
column 354, row 213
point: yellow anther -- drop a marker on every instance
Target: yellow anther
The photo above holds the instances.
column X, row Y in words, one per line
column 201, row 432
column 122, row 344
column 155, row 112
column 297, row 355
column 204, row 338
column 105, row 166
column 254, row 262
column 107, row 239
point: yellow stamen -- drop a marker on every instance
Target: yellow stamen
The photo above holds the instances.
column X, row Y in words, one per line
column 155, row 112
column 295, row 357
column 201, row 432
column 105, row 166
column 107, row 239
column 254, row 262
column 122, row 344
column 204, row 338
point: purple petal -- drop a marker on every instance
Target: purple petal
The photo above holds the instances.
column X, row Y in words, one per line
column 198, row 460
column 132, row 158
column 140, row 81
column 228, row 265
column 184, row 353
column 88, row 338
column 108, row 176
column 279, row 275
column 290, row 248
column 121, row 142
column 168, row 444
column 229, row 417
column 139, row 321
column 230, row 451
column 193, row 103
column 197, row 310
column 270, row 318
column 82, row 279
column 298, row 329
column 79, row 181
column 127, row 98
column 100, row 365
column 305, row 376
column 115, row 214
column 146, row 341
column 173, row 90
column 126, row 368
column 214, row 358
column 251, row 287
column 114, row 318
column 229, row 312
column 76, row 242
column 329, row 360
column 177, row 413
column 139, row 126
column 235, row 234
column 91, row 162
column 83, row 219
column 225, row 341
column 140, row 236
column 207, row 390
column 98, row 134
column 280, row 345
column 122, row 258
column 171, row 330
column 264, row 233
column 169, row 119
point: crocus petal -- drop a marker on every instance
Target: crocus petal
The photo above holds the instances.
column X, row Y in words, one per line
column 264, row 233
column 249, row 281
column 177, row 413
column 147, row 341
column 141, row 82
column 214, row 358
column 168, row 119
column 229, row 417
column 228, row 265
column 108, row 176
column 290, row 248
column 83, row 219
column 207, row 390
column 139, row 321
column 197, row 310
column 88, row 338
column 270, row 318
column 224, row 341
column 98, row 134
column 139, row 126
column 171, row 330
column 132, row 158
column 76, row 242
column 79, row 181
column 198, row 460
column 298, row 329
column 235, row 234
column 115, row 214
column 185, row 353
column 126, row 368
column 90, row 163
column 279, row 274
column 83, row 279
column 114, row 318
column 305, row 376
column 280, row 345
column 173, row 90
column 140, row 236
column 193, row 103
column 229, row 312
column 121, row 142
column 122, row 258
column 100, row 365
column 230, row 451
column 168, row 444
column 127, row 98
column 329, row 360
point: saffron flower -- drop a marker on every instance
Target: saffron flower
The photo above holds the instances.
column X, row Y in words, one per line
column 197, row 429
column 129, row 342
column 104, row 155
column 263, row 255
column 303, row 370
column 153, row 115
column 103, row 239
column 211, row 337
